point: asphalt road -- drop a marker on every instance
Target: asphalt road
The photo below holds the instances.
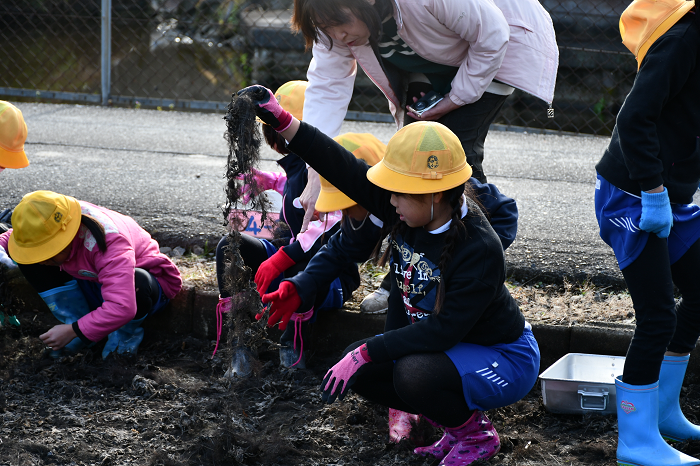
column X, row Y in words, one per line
column 166, row 169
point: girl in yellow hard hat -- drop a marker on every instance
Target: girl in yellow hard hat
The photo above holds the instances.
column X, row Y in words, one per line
column 455, row 342
column 98, row 271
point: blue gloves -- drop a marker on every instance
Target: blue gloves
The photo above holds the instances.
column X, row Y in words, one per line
column 657, row 216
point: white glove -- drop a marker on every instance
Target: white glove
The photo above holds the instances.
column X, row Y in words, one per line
column 6, row 261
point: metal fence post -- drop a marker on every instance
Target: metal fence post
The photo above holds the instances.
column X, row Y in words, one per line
column 106, row 49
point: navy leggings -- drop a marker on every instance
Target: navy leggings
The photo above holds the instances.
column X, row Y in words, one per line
column 425, row 383
column 662, row 324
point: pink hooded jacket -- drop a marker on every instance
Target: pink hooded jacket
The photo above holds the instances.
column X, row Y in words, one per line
column 512, row 41
column 128, row 246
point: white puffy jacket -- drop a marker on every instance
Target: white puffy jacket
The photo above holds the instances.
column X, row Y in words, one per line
column 512, row 41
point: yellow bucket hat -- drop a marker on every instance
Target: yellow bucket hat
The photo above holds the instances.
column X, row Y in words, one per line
column 423, row 157
column 364, row 146
column 644, row 21
column 13, row 133
column 44, row 223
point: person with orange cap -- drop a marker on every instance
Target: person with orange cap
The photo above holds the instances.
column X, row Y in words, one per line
column 98, row 271
column 455, row 341
column 646, row 180
column 273, row 259
column 13, row 134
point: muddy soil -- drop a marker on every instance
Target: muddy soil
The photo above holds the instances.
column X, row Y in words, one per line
column 171, row 405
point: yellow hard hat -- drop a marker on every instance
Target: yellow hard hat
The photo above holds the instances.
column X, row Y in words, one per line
column 13, row 133
column 422, row 157
column 43, row 224
column 290, row 96
column 644, row 21
column 364, row 146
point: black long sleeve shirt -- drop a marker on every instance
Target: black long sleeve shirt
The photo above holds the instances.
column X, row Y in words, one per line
column 477, row 306
column 655, row 139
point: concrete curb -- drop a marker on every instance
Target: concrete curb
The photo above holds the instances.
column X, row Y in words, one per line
column 192, row 312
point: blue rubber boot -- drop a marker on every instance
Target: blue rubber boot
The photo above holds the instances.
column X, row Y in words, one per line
column 67, row 303
column 673, row 425
column 639, row 442
column 125, row 340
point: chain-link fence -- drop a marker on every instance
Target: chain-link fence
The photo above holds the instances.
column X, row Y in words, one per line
column 195, row 53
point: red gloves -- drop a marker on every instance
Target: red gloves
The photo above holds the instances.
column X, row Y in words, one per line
column 271, row 268
column 285, row 301
column 341, row 376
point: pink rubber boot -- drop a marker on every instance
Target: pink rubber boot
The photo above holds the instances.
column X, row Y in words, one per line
column 474, row 440
column 400, row 425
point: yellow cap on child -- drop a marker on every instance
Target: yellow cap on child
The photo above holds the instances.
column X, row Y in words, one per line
column 644, row 21
column 364, row 146
column 423, row 157
column 43, row 224
column 13, row 133
column 290, row 96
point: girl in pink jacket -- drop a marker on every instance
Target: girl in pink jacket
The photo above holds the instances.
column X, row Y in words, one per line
column 99, row 272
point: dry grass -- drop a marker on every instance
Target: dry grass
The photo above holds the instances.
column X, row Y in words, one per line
column 571, row 303
column 568, row 304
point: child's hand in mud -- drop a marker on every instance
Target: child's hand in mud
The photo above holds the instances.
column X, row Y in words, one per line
column 341, row 376
column 283, row 303
column 266, row 107
column 58, row 337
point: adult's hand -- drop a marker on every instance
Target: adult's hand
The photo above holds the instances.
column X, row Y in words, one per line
column 59, row 336
column 308, row 199
column 441, row 109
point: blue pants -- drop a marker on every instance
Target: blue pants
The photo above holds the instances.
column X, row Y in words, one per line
column 651, row 267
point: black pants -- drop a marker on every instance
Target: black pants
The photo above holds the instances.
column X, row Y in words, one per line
column 661, row 323
column 470, row 123
column 45, row 277
column 425, row 383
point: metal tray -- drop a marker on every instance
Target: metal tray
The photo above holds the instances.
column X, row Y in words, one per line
column 581, row 383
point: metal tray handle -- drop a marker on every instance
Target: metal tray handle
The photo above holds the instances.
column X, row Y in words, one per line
column 593, row 400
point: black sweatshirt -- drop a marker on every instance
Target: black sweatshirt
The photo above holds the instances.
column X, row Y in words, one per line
column 477, row 306
column 655, row 139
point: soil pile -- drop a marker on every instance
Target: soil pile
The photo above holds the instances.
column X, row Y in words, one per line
column 171, row 405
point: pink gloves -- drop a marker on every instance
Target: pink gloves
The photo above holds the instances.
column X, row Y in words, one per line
column 265, row 180
column 285, row 301
column 271, row 268
column 341, row 376
column 267, row 108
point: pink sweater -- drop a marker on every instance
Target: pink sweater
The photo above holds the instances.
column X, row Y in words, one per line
column 128, row 246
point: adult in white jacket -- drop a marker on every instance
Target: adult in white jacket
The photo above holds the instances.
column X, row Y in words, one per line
column 474, row 52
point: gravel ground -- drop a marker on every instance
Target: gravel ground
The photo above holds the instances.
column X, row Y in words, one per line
column 172, row 405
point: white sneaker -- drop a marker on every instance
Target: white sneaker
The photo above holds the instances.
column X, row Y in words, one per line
column 376, row 302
